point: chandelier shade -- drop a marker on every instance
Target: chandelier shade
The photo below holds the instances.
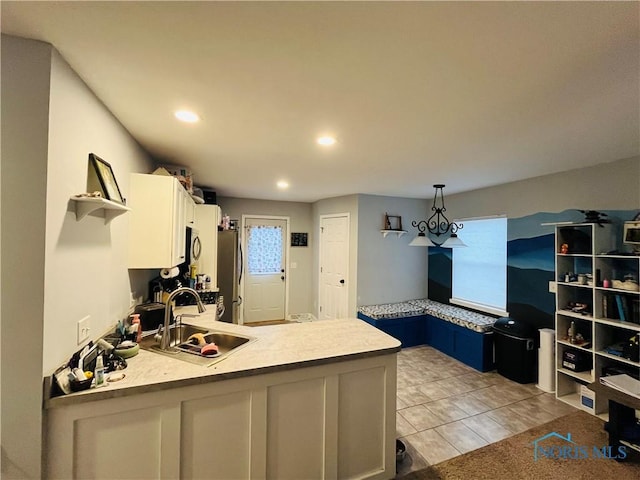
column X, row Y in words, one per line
column 437, row 225
column 421, row 240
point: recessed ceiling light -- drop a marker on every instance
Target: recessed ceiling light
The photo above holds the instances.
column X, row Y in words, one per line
column 326, row 140
column 282, row 184
column 187, row 116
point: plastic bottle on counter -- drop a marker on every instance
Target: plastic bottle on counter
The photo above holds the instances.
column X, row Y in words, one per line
column 135, row 320
column 99, row 372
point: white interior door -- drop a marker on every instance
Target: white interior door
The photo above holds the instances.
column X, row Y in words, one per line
column 334, row 266
column 265, row 276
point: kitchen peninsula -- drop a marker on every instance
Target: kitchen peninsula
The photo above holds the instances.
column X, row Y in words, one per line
column 305, row 400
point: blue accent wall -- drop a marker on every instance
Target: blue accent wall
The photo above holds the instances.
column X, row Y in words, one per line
column 530, row 264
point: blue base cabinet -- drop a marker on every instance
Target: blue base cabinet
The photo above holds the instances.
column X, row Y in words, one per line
column 470, row 347
column 409, row 330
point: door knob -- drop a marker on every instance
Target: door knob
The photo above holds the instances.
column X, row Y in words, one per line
column 342, row 281
column 282, row 278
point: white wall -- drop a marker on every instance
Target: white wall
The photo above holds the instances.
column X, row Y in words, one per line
column 300, row 293
column 608, row 186
column 380, row 269
column 86, row 261
column 25, row 109
column 55, row 270
column 347, row 204
column 389, row 270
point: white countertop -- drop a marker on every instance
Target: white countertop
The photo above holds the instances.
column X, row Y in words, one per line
column 277, row 348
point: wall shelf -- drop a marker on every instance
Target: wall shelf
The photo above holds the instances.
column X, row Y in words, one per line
column 399, row 233
column 86, row 205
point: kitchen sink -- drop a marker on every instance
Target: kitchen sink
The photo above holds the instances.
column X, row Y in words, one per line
column 226, row 342
column 180, row 349
column 177, row 334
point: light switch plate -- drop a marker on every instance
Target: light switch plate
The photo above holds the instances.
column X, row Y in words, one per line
column 83, row 329
column 552, row 287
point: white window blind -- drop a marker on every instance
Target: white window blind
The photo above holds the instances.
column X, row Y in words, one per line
column 480, row 270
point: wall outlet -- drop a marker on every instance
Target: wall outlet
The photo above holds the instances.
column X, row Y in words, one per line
column 83, row 329
column 552, row 287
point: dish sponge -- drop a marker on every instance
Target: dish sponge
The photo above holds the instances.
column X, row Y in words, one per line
column 197, row 339
column 209, row 349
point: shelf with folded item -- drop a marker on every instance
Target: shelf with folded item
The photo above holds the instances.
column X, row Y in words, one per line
column 86, row 205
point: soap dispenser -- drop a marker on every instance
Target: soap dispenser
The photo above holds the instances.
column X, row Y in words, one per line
column 135, row 320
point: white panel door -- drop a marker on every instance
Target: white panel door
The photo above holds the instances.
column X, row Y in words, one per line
column 334, row 266
column 264, row 266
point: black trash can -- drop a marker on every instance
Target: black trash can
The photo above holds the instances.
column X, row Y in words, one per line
column 516, row 352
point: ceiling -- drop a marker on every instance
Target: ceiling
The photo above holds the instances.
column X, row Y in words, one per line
column 416, row 93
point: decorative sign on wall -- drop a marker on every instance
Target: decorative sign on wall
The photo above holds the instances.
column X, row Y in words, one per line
column 299, row 239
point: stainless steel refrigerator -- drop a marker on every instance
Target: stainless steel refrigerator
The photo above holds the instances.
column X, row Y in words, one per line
column 229, row 273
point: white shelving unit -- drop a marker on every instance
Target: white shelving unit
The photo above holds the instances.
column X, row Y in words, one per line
column 596, row 311
column 86, row 205
column 399, row 233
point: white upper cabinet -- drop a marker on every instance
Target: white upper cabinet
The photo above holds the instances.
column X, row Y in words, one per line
column 190, row 210
column 157, row 232
column 207, row 221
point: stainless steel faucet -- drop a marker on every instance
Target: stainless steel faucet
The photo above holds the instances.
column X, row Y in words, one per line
column 166, row 335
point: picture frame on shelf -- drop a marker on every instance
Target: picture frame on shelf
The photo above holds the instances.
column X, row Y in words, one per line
column 102, row 178
column 392, row 222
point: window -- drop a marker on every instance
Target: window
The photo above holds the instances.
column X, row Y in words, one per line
column 264, row 250
column 480, row 270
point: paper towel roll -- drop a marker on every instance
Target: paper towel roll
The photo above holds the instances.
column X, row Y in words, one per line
column 169, row 272
column 546, row 360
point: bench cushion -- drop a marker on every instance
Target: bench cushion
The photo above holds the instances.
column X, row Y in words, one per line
column 460, row 316
column 391, row 310
column 461, row 334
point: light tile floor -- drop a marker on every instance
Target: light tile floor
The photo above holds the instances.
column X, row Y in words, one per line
column 445, row 408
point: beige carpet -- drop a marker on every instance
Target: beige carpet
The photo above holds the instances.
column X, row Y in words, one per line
column 513, row 457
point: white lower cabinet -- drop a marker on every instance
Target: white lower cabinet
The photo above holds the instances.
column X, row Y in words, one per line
column 114, row 439
column 324, row 422
column 215, row 438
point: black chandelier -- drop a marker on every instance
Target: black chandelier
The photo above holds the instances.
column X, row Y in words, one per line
column 437, row 224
